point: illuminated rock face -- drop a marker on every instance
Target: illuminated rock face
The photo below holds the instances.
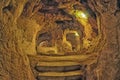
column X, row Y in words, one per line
column 77, row 34
column 84, row 26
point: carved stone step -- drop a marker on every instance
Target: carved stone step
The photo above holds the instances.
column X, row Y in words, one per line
column 61, row 74
column 58, row 64
column 61, row 78
column 64, row 63
column 61, row 67
column 75, row 58
column 57, row 69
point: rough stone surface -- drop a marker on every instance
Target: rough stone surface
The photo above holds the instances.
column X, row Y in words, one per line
column 21, row 21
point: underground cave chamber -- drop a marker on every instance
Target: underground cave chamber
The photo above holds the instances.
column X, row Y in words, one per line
column 70, row 46
column 59, row 39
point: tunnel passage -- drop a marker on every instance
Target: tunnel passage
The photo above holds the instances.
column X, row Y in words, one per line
column 83, row 27
column 66, row 46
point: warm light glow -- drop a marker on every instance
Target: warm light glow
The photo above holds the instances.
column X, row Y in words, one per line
column 76, row 34
column 81, row 14
column 82, row 17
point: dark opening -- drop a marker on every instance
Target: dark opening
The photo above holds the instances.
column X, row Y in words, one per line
column 43, row 11
column 43, row 37
column 9, row 7
column 50, row 2
column 59, row 22
column 91, row 12
column 62, row 12
column 118, row 4
column 83, row 1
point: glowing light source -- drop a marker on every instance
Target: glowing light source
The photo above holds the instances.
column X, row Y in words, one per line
column 81, row 14
column 76, row 34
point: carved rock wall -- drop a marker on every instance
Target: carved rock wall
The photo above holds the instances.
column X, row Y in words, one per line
column 22, row 20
